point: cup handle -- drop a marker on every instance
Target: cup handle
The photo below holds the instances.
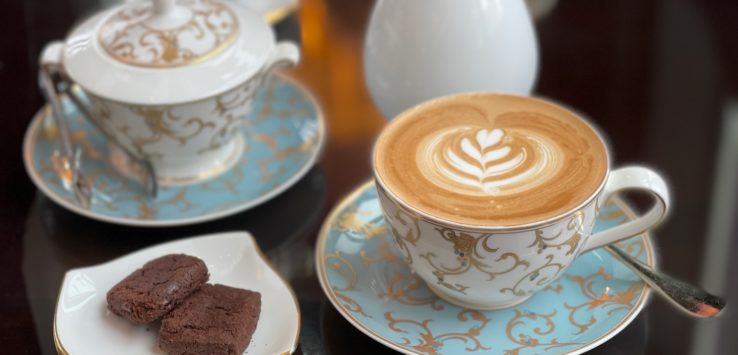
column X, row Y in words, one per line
column 284, row 54
column 633, row 178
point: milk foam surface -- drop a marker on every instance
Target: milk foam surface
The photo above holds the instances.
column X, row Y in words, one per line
column 490, row 159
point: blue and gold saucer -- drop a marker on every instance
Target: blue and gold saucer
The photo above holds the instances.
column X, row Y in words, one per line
column 372, row 287
column 284, row 137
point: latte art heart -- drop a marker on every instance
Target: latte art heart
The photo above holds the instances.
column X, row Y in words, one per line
column 481, row 161
column 490, row 159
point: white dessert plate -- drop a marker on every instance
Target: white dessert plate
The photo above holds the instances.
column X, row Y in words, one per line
column 84, row 325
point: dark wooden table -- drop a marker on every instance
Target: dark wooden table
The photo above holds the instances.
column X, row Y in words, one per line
column 659, row 77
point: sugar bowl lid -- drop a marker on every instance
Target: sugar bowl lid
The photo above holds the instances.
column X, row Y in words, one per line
column 166, row 34
column 167, row 51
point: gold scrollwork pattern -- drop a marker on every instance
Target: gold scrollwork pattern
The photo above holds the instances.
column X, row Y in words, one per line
column 411, row 234
column 223, row 134
column 536, row 277
column 343, row 267
column 350, row 222
column 613, row 301
column 613, row 214
column 610, row 212
column 575, row 224
column 467, row 251
column 162, row 122
column 128, row 37
column 554, row 288
column 231, row 106
column 403, row 287
column 100, row 108
column 384, row 255
column 240, row 97
column 102, row 115
column 534, row 340
column 145, row 210
column 428, row 343
column 268, row 110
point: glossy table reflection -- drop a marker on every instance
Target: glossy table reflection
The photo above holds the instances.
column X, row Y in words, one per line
column 658, row 77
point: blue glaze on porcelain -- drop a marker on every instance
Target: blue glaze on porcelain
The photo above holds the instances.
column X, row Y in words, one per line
column 370, row 285
column 283, row 138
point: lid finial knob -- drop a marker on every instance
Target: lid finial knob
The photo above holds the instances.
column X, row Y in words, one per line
column 162, row 7
column 166, row 15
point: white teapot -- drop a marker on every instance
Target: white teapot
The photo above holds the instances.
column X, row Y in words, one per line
column 171, row 81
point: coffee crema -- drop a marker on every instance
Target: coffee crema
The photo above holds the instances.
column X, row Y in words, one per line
column 490, row 159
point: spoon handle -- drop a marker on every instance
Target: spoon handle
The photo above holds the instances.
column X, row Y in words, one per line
column 689, row 298
column 81, row 186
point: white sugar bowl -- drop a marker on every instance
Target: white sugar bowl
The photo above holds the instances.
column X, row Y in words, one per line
column 172, row 81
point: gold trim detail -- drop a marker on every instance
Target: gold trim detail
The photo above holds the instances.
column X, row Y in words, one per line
column 57, row 342
column 400, row 287
column 350, row 222
column 410, row 237
column 430, row 343
column 344, row 268
column 384, row 254
column 606, row 299
column 528, row 341
column 229, row 106
column 534, row 276
column 466, row 249
column 575, row 224
column 127, row 37
column 278, row 14
column 204, row 175
column 163, row 122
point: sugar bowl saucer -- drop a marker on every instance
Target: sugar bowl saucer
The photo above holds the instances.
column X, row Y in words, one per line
column 284, row 141
column 372, row 287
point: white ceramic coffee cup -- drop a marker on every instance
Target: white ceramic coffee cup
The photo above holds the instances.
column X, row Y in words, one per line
column 495, row 267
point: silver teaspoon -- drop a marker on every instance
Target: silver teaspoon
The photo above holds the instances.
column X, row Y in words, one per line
column 689, row 298
column 80, row 185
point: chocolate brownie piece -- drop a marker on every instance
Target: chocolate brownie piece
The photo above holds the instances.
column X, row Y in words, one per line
column 216, row 319
column 155, row 289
